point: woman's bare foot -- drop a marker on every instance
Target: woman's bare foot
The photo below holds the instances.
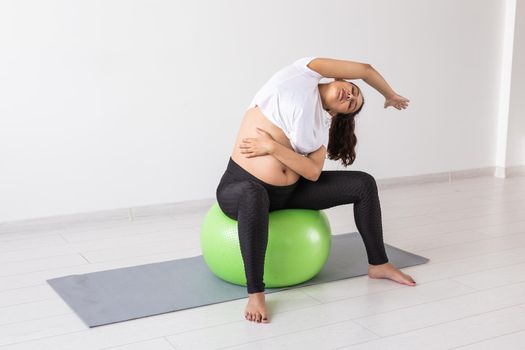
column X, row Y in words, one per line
column 391, row 272
column 256, row 308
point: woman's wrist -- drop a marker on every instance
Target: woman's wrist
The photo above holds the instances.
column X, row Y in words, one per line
column 390, row 95
column 272, row 147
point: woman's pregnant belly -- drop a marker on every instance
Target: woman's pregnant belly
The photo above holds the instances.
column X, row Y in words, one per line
column 267, row 168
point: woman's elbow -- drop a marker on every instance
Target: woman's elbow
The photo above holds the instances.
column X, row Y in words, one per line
column 314, row 176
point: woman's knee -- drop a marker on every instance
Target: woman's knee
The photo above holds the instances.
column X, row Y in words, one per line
column 242, row 194
column 254, row 194
column 365, row 182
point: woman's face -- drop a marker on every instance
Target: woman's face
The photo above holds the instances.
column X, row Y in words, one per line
column 343, row 97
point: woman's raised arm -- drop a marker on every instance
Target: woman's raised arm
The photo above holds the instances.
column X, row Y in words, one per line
column 341, row 69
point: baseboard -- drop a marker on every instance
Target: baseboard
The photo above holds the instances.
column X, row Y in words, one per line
column 175, row 209
column 515, row 171
column 435, row 177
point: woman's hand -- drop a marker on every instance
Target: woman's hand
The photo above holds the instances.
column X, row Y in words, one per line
column 397, row 101
column 258, row 146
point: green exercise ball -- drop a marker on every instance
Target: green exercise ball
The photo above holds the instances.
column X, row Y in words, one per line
column 298, row 247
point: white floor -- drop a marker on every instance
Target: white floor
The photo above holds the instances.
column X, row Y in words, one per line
column 471, row 295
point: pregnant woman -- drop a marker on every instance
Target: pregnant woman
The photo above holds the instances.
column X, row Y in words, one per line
column 292, row 124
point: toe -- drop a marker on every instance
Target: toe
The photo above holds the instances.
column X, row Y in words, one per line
column 410, row 279
column 410, row 282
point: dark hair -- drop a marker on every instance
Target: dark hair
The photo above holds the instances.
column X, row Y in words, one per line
column 342, row 139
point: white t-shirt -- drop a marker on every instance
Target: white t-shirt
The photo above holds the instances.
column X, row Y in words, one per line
column 291, row 100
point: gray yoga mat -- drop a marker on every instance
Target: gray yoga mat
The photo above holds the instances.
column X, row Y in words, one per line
column 105, row 297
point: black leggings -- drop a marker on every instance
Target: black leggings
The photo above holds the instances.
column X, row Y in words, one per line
column 247, row 199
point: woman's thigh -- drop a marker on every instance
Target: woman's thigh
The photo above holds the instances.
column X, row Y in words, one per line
column 244, row 194
column 332, row 188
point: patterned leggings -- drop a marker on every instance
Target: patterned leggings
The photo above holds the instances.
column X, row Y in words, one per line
column 247, row 199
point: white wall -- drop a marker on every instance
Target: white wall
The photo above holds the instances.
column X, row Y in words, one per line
column 516, row 129
column 110, row 104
